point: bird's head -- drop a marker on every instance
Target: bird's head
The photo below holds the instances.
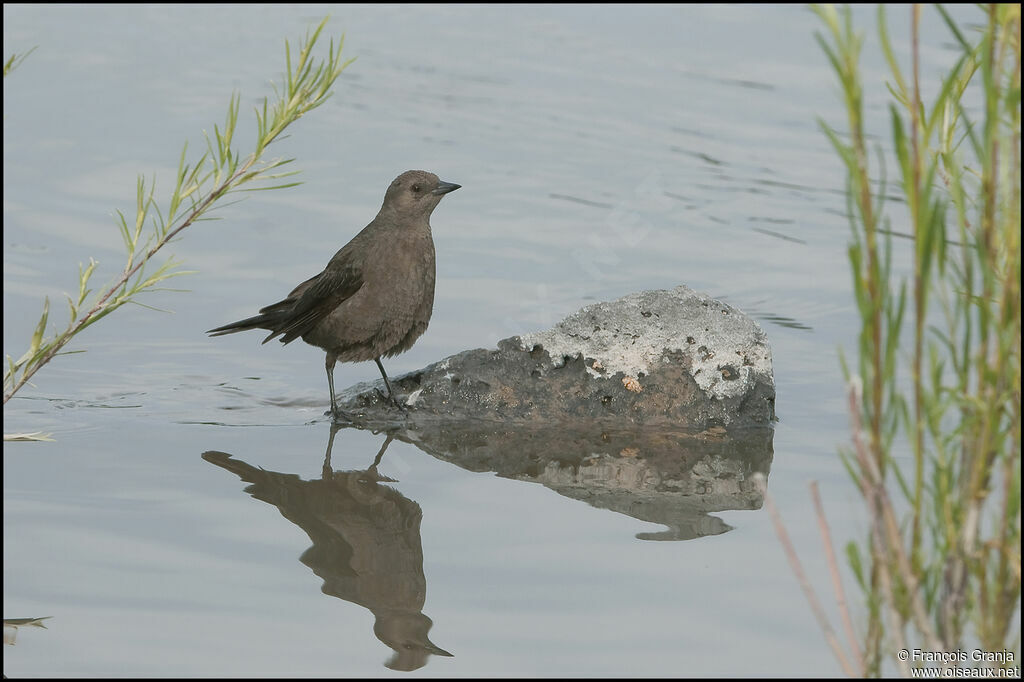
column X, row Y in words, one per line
column 416, row 193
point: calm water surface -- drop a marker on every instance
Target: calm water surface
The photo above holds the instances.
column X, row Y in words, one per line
column 183, row 523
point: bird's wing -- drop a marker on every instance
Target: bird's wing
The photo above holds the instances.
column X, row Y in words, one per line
column 313, row 300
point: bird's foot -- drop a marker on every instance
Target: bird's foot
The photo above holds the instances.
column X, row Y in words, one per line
column 338, row 415
column 391, row 399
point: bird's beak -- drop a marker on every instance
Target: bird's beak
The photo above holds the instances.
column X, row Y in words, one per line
column 429, row 646
column 445, row 187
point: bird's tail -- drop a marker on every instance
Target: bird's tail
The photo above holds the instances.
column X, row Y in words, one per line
column 270, row 320
column 257, row 322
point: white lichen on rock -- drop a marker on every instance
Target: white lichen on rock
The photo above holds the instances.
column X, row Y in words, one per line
column 726, row 349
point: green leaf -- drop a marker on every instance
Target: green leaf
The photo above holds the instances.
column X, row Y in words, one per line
column 37, row 335
column 953, row 28
column 902, row 94
column 853, row 557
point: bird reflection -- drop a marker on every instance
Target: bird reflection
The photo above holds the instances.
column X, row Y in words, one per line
column 366, row 544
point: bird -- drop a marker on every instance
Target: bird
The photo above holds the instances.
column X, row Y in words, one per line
column 376, row 295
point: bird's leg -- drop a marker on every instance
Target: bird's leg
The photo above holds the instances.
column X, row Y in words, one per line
column 334, row 412
column 391, row 394
column 328, row 469
column 383, row 449
column 373, row 467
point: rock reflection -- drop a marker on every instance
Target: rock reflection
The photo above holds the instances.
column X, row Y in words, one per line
column 673, row 478
column 366, row 545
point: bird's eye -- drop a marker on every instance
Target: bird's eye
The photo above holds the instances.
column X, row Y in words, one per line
column 416, row 188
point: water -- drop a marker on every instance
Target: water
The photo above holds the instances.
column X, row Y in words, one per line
column 602, row 150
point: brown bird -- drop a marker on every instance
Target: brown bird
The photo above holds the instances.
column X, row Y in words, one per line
column 376, row 295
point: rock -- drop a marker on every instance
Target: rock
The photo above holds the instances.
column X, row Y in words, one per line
column 658, row 405
column 665, row 358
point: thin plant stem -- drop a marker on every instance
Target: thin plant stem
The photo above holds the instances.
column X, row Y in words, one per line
column 805, row 585
column 837, row 582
